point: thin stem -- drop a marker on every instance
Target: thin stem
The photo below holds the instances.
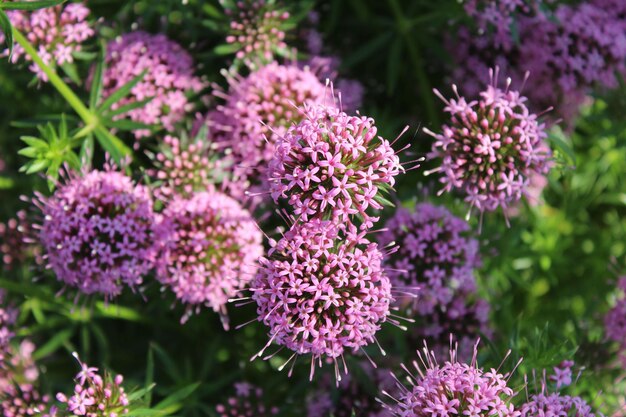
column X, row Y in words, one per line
column 422, row 78
column 90, row 119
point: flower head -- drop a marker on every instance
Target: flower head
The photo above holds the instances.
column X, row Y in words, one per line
column 333, row 166
column 210, row 248
column 57, row 33
column 96, row 395
column 257, row 31
column 98, row 232
column 258, row 110
column 455, row 389
column 248, row 402
column 168, row 80
column 184, row 166
column 22, row 400
column 490, row 148
column 322, row 294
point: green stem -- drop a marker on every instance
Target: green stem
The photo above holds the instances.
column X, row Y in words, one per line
column 90, row 119
column 423, row 83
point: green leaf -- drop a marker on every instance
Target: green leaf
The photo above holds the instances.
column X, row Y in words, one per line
column 128, row 107
column 34, row 142
column 122, row 92
column 112, row 144
column 173, row 402
column 53, row 344
column 30, row 5
column 70, row 70
column 36, row 166
column 96, row 85
column 5, row 26
column 149, row 374
column 127, row 125
column 212, row 11
column 86, row 152
column 226, row 49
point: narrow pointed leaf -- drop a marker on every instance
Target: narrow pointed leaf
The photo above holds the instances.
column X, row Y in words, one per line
column 122, row 92
column 30, row 5
column 5, row 26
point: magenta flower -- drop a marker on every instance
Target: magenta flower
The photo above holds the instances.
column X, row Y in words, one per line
column 454, row 389
column 258, row 110
column 257, row 31
column 322, row 294
column 249, row 401
column 55, row 32
column 22, row 400
column 210, row 248
column 169, row 78
column 332, row 166
column 491, row 147
column 98, row 232
column 8, row 316
column 95, row 395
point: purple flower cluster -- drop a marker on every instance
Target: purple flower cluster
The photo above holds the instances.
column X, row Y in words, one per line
column 94, row 395
column 210, row 246
column 437, row 255
column 248, row 402
column 333, row 166
column 497, row 17
column 490, row 148
column 353, row 395
column 454, row 389
column 568, row 51
column 258, row 110
column 256, row 31
column 555, row 404
column 55, row 32
column 23, row 400
column 8, row 316
column 320, row 294
column 98, row 232
column 615, row 320
column 168, row 81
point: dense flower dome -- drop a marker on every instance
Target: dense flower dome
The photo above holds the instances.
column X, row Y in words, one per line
column 455, row 389
column 435, row 252
column 258, row 110
column 168, row 81
column 248, row 402
column 55, row 32
column 210, row 248
column 322, row 294
column 98, row 232
column 256, row 31
column 333, row 166
column 490, row 148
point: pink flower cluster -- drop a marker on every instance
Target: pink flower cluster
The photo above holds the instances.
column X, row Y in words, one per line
column 23, row 400
column 55, row 32
column 497, row 17
column 98, row 232
column 258, row 110
column 184, row 166
column 353, row 396
column 454, row 389
column 437, row 255
column 333, row 166
column 555, row 404
column 210, row 246
column 8, row 316
column 615, row 320
column 256, row 31
column 567, row 52
column 546, row 403
column 248, row 402
column 168, row 81
column 96, row 396
column 320, row 294
column 490, row 148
